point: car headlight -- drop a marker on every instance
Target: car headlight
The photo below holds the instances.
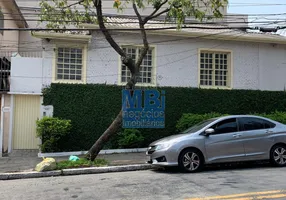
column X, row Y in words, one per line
column 162, row 146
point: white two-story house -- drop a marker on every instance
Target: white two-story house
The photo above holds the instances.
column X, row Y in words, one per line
column 205, row 56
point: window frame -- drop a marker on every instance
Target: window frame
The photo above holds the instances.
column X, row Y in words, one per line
column 240, row 121
column 2, row 18
column 231, row 118
column 154, row 67
column 230, row 68
column 84, row 62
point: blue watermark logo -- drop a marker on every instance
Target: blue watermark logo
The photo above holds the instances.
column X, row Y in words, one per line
column 143, row 109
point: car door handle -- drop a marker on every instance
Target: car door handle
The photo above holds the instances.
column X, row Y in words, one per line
column 236, row 135
column 268, row 131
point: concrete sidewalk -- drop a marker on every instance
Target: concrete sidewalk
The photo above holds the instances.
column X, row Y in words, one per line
column 27, row 163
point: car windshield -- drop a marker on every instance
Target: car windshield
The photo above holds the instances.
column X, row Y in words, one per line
column 199, row 126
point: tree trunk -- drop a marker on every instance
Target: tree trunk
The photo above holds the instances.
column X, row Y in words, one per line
column 134, row 69
column 110, row 131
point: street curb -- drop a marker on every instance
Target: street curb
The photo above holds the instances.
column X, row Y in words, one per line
column 102, row 152
column 24, row 175
column 96, row 170
column 79, row 171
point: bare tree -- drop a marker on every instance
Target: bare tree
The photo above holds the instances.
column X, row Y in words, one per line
column 59, row 14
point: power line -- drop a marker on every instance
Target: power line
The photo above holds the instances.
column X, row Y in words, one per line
column 105, row 14
column 157, row 76
column 29, row 49
column 116, row 74
column 124, row 41
column 128, row 29
column 239, row 3
column 26, row 42
column 215, row 46
column 155, row 23
column 152, row 29
column 124, row 15
column 37, row 48
column 151, row 43
column 233, row 16
column 229, row 4
column 256, row 4
column 150, row 7
column 163, row 41
column 151, row 22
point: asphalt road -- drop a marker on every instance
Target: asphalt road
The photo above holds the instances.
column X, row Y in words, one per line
column 239, row 183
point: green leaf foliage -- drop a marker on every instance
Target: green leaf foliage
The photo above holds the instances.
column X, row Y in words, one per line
column 51, row 130
column 59, row 14
column 276, row 116
column 189, row 119
column 92, row 107
column 81, row 163
column 130, row 138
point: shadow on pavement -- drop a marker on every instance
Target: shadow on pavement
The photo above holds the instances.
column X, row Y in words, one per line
column 219, row 167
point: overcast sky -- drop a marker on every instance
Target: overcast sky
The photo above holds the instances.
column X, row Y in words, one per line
column 254, row 7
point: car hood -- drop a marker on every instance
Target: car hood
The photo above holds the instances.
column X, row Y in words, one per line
column 172, row 138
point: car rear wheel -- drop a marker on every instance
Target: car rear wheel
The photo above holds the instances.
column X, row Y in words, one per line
column 191, row 160
column 278, row 155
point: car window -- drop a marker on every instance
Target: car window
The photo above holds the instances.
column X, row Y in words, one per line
column 199, row 126
column 225, row 126
column 251, row 123
column 268, row 124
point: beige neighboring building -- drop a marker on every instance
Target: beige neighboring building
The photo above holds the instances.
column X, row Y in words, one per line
column 10, row 17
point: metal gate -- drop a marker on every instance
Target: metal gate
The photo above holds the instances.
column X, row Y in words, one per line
column 26, row 112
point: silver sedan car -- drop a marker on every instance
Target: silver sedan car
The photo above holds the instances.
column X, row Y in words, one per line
column 219, row 140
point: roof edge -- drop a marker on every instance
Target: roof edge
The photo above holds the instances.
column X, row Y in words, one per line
column 230, row 36
column 20, row 14
column 62, row 36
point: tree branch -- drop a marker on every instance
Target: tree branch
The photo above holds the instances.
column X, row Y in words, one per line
column 79, row 2
column 98, row 6
column 158, row 14
column 125, row 60
column 144, row 38
column 137, row 13
column 155, row 11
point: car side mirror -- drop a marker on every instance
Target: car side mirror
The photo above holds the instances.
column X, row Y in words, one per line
column 209, row 131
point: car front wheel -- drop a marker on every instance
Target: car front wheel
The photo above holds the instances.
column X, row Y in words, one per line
column 191, row 160
column 278, row 155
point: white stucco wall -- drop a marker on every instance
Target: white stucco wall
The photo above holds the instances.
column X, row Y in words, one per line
column 26, row 75
column 272, row 62
column 176, row 60
column 29, row 46
column 48, row 55
column 255, row 66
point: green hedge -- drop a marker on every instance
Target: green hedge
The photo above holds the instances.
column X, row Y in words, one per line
column 189, row 119
column 130, row 138
column 92, row 107
column 51, row 130
column 277, row 116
